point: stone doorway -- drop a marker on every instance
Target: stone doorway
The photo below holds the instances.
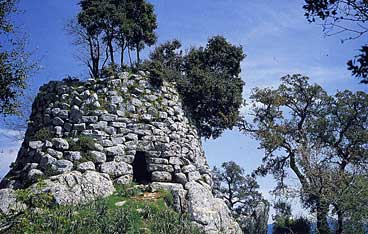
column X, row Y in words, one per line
column 140, row 169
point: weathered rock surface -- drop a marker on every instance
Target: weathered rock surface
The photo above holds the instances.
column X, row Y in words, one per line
column 9, row 203
column 258, row 221
column 75, row 187
column 208, row 211
column 117, row 130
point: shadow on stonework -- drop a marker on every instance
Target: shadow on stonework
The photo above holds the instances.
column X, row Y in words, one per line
column 140, row 169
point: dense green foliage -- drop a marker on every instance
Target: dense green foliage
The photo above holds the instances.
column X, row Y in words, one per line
column 286, row 224
column 291, row 226
column 83, row 143
column 359, row 66
column 346, row 18
column 321, row 138
column 135, row 216
column 208, row 80
column 241, row 194
column 112, row 27
column 14, row 61
column 42, row 135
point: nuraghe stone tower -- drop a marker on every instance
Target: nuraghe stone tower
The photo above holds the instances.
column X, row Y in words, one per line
column 84, row 136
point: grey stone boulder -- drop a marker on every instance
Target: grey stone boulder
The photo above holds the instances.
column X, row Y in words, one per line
column 177, row 190
column 72, row 155
column 97, row 157
column 157, row 186
column 194, row 175
column 75, row 187
column 8, row 202
column 75, row 114
column 257, row 222
column 125, row 179
column 116, row 169
column 89, row 119
column 79, row 127
column 175, row 161
column 181, row 178
column 115, row 150
column 161, row 176
column 158, row 160
column 208, row 211
column 160, row 167
column 126, row 158
column 86, row 166
column 60, row 144
column 57, row 121
column 189, row 168
column 46, row 161
column 61, row 166
column 54, row 153
column 35, row 144
column 34, row 174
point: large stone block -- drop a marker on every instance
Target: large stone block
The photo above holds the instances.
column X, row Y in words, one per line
column 9, row 204
column 160, row 167
column 72, row 155
column 97, row 157
column 161, row 176
column 75, row 187
column 86, row 166
column 60, row 144
column 118, row 150
column 116, row 169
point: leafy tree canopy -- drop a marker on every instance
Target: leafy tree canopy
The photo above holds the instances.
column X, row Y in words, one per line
column 349, row 18
column 359, row 65
column 14, row 61
column 286, row 224
column 321, row 138
column 240, row 192
column 208, row 79
column 123, row 24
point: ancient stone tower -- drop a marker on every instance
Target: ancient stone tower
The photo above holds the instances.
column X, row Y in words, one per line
column 85, row 136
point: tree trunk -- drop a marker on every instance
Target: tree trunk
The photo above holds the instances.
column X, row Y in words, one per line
column 130, row 57
column 138, row 58
column 122, row 56
column 94, row 57
column 339, row 222
column 122, row 46
column 322, row 225
column 111, row 48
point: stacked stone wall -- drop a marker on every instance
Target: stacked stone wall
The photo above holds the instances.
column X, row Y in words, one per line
column 121, row 117
column 83, row 137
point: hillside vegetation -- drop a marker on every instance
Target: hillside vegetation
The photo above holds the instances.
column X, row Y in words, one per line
column 129, row 210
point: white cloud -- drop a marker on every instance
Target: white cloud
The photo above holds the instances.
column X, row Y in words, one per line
column 7, row 156
column 5, row 132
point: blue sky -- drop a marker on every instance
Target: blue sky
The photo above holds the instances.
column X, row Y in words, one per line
column 275, row 35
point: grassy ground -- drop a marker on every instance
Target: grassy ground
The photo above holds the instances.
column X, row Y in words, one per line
column 127, row 211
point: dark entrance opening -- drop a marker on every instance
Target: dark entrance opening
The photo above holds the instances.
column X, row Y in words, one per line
column 140, row 171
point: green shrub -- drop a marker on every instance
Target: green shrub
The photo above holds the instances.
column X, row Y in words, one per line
column 104, row 217
column 168, row 197
column 128, row 191
column 83, row 144
column 32, row 199
column 42, row 135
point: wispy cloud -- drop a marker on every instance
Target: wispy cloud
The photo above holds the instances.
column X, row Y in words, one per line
column 7, row 156
column 6, row 132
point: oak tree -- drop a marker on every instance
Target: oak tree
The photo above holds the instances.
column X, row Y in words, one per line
column 240, row 192
column 346, row 18
column 15, row 62
column 303, row 129
column 208, row 80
